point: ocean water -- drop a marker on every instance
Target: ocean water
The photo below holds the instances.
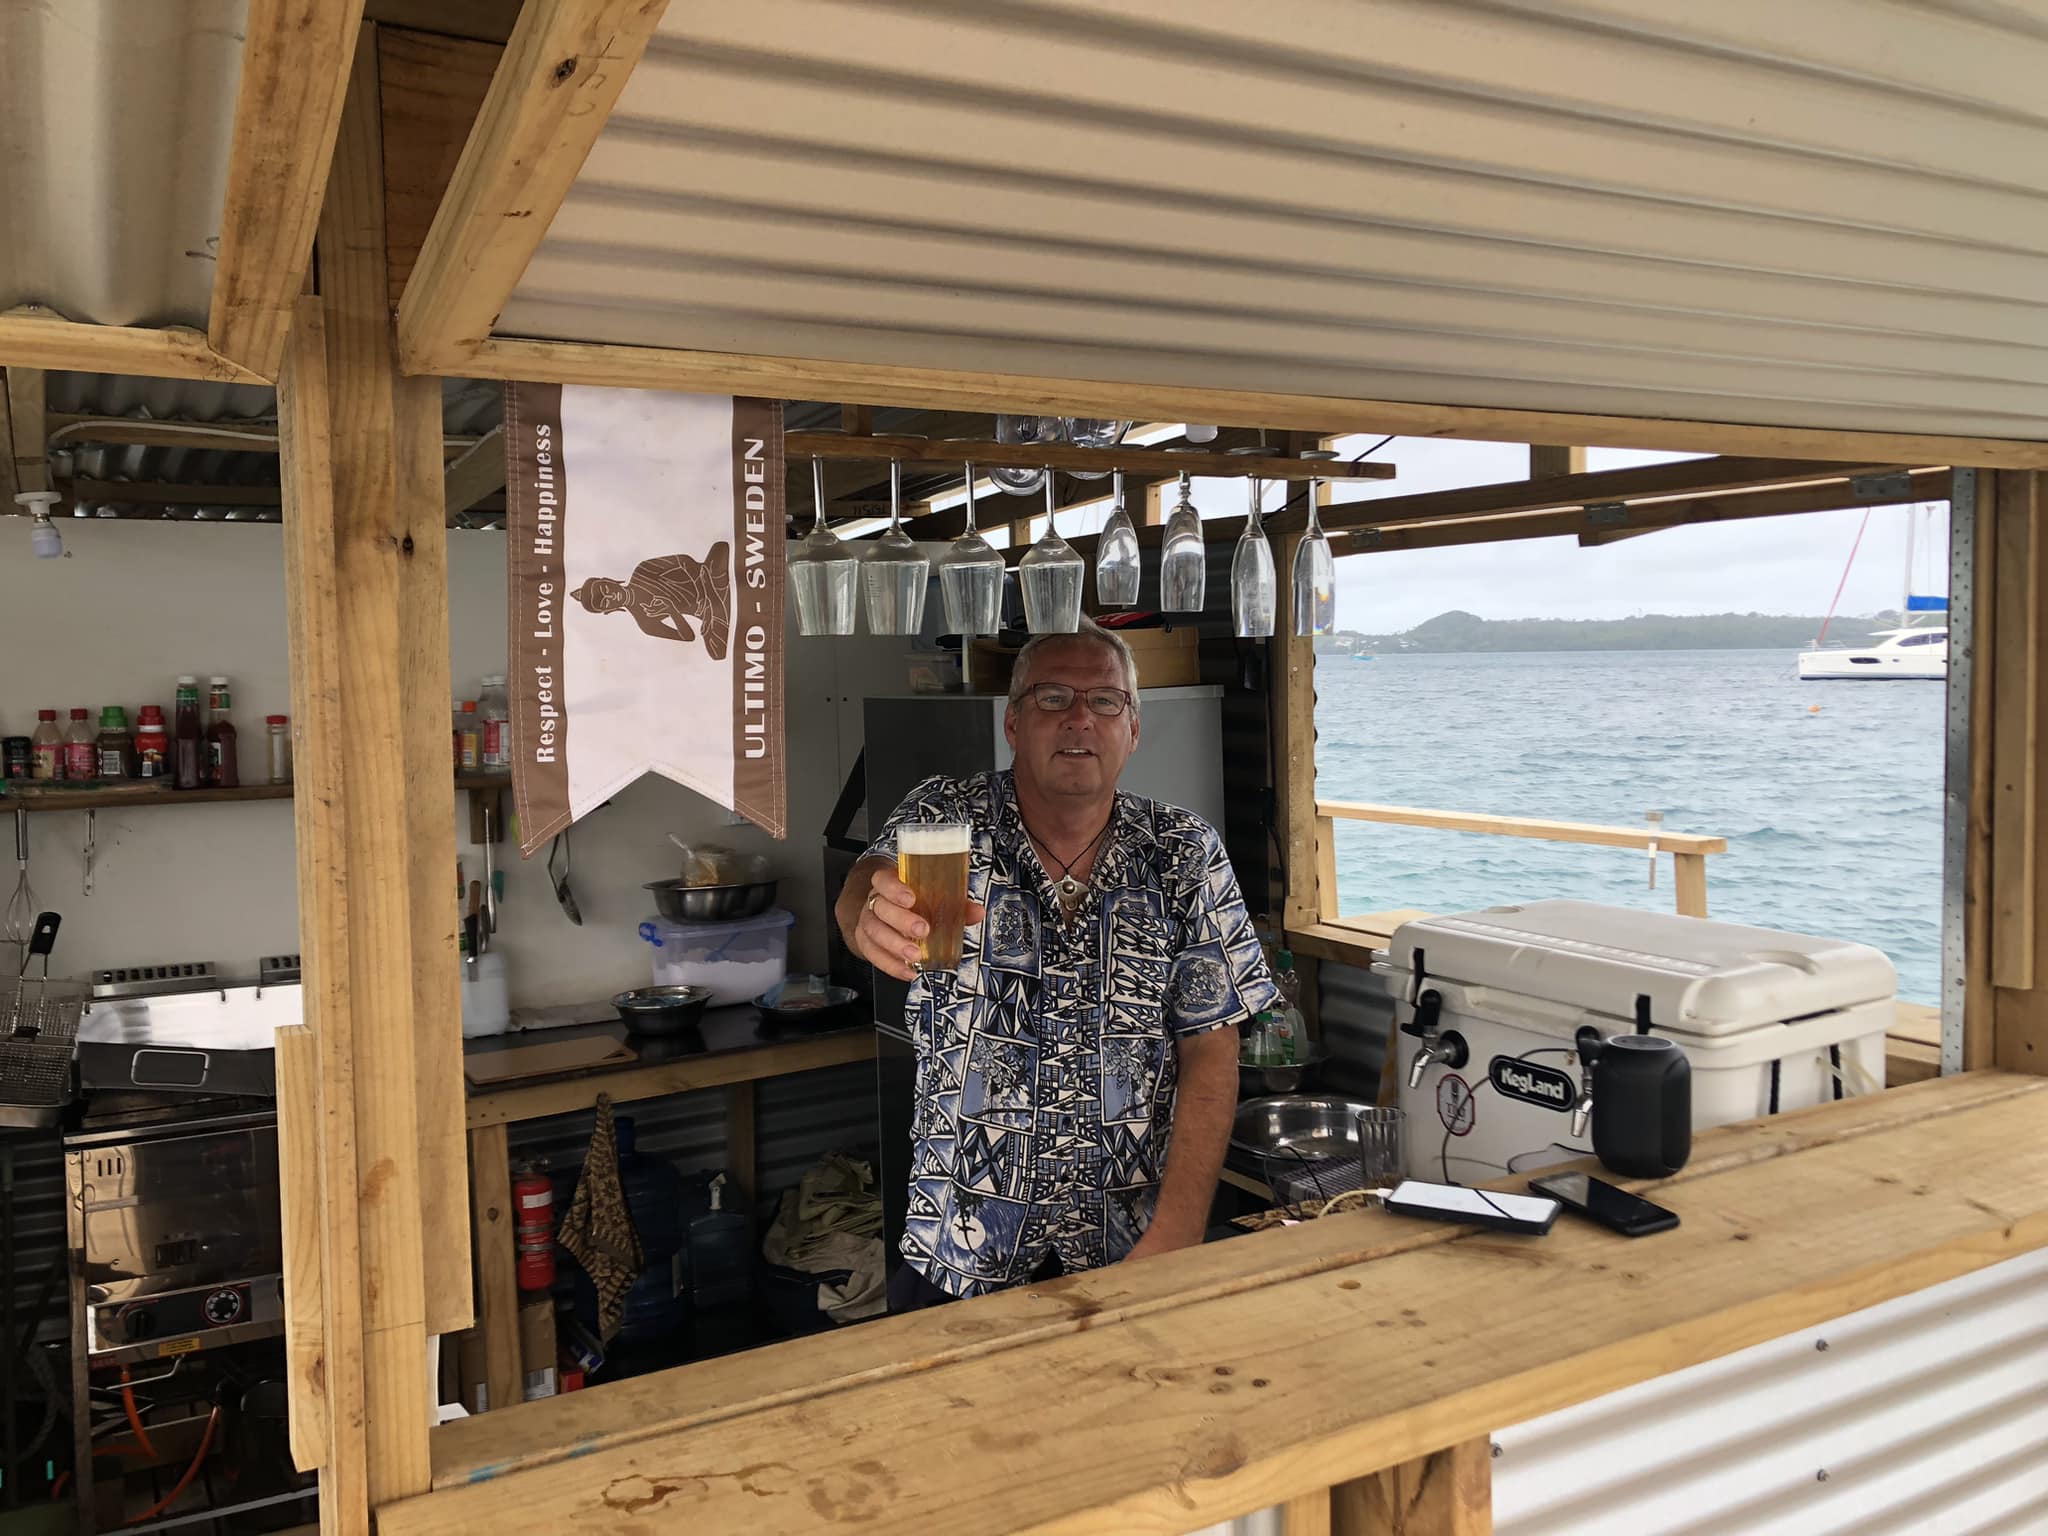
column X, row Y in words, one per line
column 1833, row 816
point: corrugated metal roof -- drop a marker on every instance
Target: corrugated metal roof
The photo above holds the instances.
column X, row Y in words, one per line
column 115, row 120
column 1833, row 214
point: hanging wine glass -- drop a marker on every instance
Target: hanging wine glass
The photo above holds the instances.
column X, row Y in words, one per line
column 1116, row 556
column 1314, row 597
column 971, row 579
column 1051, row 578
column 1183, row 558
column 1092, row 432
column 1253, row 592
column 824, row 569
column 895, row 572
column 1021, row 431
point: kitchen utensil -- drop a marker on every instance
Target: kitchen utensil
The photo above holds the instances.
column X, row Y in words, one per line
column 1297, row 1128
column 1255, row 1078
column 1022, row 430
column 1315, row 570
column 1116, row 556
column 895, row 573
column 490, row 892
column 1051, row 575
column 825, row 571
column 1183, row 560
column 971, row 576
column 1092, row 432
column 564, row 897
column 681, row 903
column 662, row 1010
column 1253, row 592
column 806, row 1003
column 21, row 909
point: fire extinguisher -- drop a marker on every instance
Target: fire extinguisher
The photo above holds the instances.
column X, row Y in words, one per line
column 533, row 1229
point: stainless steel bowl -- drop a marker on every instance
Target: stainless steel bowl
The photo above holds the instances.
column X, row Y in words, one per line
column 1254, row 1080
column 662, row 1010
column 681, row 903
column 1298, row 1127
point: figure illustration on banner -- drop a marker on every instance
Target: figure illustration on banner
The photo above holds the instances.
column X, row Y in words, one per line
column 666, row 592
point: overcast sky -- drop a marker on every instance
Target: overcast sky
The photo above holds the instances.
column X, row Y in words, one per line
column 1766, row 565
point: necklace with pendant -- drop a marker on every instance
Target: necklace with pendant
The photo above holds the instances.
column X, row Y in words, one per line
column 1066, row 885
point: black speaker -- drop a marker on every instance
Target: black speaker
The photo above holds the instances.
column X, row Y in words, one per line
column 1642, row 1106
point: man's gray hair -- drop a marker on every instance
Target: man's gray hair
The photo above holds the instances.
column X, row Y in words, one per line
column 1090, row 632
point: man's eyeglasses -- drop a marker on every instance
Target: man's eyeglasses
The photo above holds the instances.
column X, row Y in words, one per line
column 1058, row 698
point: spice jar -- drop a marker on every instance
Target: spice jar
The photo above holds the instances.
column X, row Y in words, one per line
column 152, row 745
column 280, row 742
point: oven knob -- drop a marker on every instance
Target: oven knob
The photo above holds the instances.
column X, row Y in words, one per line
column 223, row 1306
column 139, row 1324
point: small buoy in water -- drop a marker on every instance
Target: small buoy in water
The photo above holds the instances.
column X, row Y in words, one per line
column 1813, row 709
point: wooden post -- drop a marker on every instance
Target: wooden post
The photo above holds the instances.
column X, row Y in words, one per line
column 1689, row 878
column 1447, row 1494
column 739, row 1141
column 496, row 1264
column 1326, row 868
column 2014, row 589
column 1308, row 1515
column 1546, row 462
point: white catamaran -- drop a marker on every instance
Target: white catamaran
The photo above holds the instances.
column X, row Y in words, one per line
column 1914, row 652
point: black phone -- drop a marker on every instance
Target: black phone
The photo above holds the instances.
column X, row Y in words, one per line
column 1597, row 1200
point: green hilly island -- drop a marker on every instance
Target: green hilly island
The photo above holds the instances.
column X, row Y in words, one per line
column 1465, row 632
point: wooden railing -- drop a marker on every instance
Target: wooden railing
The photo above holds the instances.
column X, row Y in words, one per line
column 1688, row 850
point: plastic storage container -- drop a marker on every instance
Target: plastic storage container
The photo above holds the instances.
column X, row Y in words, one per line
column 738, row 960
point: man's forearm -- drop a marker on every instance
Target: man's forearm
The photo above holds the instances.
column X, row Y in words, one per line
column 1203, row 1105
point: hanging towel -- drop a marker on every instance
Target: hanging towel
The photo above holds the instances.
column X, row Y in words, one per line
column 599, row 1229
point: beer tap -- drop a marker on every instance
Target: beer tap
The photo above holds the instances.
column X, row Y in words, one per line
column 1446, row 1047
column 1588, row 1042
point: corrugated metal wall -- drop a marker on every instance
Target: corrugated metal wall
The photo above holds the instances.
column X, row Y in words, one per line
column 1832, row 214
column 1357, row 1011
column 1927, row 1415
column 38, row 1226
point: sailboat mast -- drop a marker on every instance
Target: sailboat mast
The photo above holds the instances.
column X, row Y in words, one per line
column 1906, row 595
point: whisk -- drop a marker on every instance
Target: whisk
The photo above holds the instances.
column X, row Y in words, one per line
column 21, row 910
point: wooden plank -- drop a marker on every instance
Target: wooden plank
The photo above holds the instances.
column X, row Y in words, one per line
column 1308, row 1515
column 562, row 72
column 319, row 725
column 1065, row 456
column 535, row 1435
column 1447, row 1493
column 1547, row 461
column 1326, row 870
column 385, row 681
column 1689, row 883
column 2015, row 661
column 25, row 438
column 1524, row 826
column 488, row 21
column 9, row 483
column 298, row 1181
column 432, row 88
column 1227, row 1405
column 1980, row 999
column 1293, row 725
column 171, row 493
column 740, row 1148
column 682, row 1075
column 732, row 373
column 497, row 1271
column 477, row 474
column 296, row 56
column 34, row 337
column 1905, row 1062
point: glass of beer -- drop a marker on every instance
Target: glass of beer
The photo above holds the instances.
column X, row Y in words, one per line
column 932, row 860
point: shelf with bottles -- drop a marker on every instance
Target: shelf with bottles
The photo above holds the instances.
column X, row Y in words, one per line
column 127, row 794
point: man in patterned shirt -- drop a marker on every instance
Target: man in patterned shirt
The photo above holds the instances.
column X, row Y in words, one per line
column 1077, row 1075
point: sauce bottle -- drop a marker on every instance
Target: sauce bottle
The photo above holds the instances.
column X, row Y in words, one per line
column 81, row 752
column 188, row 746
column 469, row 739
column 46, row 747
column 222, row 771
column 152, row 745
column 279, row 741
column 116, row 746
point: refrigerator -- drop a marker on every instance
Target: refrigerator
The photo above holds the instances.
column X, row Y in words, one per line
column 906, row 739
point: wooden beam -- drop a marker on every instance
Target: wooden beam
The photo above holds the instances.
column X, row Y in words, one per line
column 32, row 337
column 431, row 89
column 497, row 1276
column 298, row 1177
column 741, row 1150
column 295, row 62
column 790, row 378
column 563, row 69
column 1549, row 463
column 1152, row 461
column 2016, row 664
column 1689, row 882
column 30, row 466
column 1587, row 833
column 488, row 21
column 166, row 493
column 1447, row 1493
column 477, row 474
column 9, row 476
column 1308, row 1515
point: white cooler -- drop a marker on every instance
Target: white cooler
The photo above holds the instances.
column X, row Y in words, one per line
column 1760, row 1015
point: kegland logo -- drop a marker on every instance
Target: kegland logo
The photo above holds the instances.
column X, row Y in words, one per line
column 1533, row 1084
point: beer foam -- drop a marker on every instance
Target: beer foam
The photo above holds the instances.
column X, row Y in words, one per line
column 932, row 839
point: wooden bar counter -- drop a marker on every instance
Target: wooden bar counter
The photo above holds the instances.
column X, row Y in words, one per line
column 1163, row 1396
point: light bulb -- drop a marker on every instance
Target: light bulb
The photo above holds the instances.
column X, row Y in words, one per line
column 44, row 541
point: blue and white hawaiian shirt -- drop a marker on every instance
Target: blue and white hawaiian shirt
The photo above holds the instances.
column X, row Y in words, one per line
column 1045, row 1064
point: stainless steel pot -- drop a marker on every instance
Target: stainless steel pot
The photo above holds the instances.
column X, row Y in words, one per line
column 662, row 1010
column 681, row 903
column 1297, row 1127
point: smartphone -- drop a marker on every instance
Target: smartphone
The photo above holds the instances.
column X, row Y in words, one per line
column 1477, row 1207
column 1597, row 1200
